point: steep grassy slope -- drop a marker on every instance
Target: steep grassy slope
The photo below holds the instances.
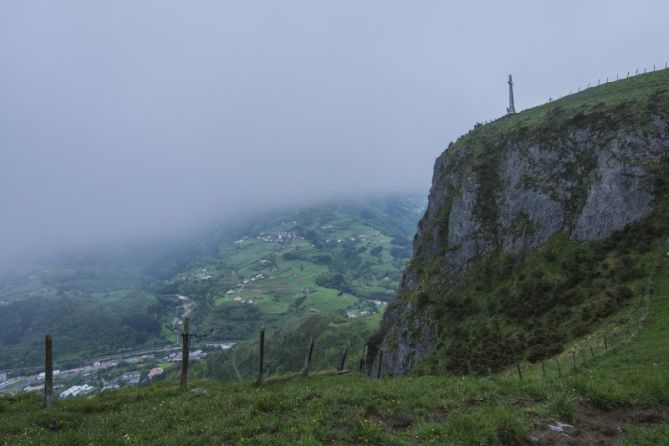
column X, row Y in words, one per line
column 286, row 348
column 612, row 398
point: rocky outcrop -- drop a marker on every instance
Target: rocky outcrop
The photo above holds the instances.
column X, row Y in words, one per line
column 618, row 192
column 505, row 187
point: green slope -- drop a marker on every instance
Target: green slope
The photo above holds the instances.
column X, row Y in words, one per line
column 337, row 261
column 352, row 409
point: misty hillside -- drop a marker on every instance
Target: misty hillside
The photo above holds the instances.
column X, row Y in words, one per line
column 340, row 260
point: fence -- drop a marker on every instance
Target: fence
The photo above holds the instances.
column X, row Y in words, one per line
column 609, row 79
column 186, row 338
column 572, row 360
column 578, row 356
column 600, row 81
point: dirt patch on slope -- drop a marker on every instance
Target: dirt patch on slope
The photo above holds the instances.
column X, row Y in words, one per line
column 595, row 427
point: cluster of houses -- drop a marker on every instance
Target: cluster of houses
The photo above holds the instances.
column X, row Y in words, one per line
column 82, row 390
column 101, row 375
column 357, row 238
column 238, row 288
column 202, row 276
column 192, row 356
column 281, row 236
column 353, row 314
column 192, row 277
column 357, row 312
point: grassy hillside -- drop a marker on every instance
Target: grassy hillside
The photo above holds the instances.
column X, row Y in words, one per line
column 614, row 398
column 91, row 310
column 319, row 262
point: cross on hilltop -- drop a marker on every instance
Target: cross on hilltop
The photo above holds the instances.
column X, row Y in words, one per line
column 511, row 109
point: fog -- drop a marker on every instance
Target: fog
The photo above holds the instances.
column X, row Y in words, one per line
column 125, row 120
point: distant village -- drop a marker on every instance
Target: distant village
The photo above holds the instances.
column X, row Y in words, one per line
column 107, row 374
column 155, row 364
column 236, row 292
column 366, row 311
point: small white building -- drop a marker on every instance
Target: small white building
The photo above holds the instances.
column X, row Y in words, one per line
column 3, row 377
column 131, row 377
column 77, row 391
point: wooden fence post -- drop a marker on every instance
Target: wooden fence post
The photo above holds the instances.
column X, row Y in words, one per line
column 48, row 372
column 363, row 359
column 378, row 370
column 520, row 373
column 342, row 357
column 573, row 361
column 185, row 353
column 307, row 357
column 469, row 367
column 557, row 360
column 543, row 369
column 261, row 357
column 592, row 351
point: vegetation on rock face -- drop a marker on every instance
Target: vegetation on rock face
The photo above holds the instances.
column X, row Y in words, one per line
column 516, row 307
column 536, row 231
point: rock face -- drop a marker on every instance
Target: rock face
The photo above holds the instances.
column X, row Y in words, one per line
column 509, row 187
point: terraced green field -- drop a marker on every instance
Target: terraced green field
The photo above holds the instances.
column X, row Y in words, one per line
column 329, row 262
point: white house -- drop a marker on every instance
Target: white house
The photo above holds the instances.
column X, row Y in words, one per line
column 77, row 391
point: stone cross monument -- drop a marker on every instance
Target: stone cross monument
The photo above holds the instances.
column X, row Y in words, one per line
column 511, row 108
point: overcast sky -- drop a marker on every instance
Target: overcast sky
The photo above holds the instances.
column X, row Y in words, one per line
column 124, row 119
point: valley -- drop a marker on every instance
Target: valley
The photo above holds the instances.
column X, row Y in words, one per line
column 339, row 260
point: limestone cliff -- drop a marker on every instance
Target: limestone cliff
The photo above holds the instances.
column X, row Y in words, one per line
column 582, row 168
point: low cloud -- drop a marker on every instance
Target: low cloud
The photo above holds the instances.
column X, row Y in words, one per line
column 130, row 119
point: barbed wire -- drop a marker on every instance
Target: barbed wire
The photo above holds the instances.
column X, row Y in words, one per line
column 608, row 79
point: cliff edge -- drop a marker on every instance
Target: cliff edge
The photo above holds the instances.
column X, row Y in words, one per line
column 538, row 227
